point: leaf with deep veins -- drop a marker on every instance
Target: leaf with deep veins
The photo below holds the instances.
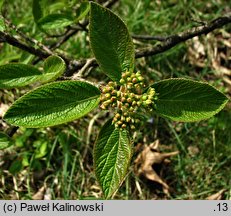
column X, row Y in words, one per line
column 112, row 155
column 18, row 75
column 53, row 104
column 187, row 100
column 110, row 42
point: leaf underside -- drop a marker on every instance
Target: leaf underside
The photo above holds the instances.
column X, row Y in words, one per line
column 54, row 66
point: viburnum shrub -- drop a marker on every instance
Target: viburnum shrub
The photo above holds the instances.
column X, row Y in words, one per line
column 127, row 95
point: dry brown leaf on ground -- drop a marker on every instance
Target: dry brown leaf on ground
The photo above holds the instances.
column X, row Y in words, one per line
column 147, row 158
column 196, row 52
column 216, row 196
column 3, row 109
column 39, row 195
column 48, row 195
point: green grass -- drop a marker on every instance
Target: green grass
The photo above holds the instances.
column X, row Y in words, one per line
column 60, row 158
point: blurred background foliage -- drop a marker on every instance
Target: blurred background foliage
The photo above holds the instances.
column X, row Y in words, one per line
column 56, row 163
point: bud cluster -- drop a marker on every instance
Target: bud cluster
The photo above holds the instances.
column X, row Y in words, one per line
column 127, row 99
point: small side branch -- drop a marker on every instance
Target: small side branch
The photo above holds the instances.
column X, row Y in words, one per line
column 5, row 37
column 182, row 37
column 74, row 66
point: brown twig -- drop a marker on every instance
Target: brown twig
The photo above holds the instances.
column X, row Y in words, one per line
column 149, row 37
column 75, row 65
column 5, row 37
column 27, row 38
column 12, row 131
column 179, row 38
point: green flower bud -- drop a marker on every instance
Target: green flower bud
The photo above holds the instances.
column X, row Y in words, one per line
column 114, row 119
column 132, row 95
column 138, row 74
column 122, row 81
column 119, row 105
column 102, row 106
column 114, row 92
column 129, row 100
column 128, row 119
column 122, row 88
column 109, row 88
column 127, row 105
column 128, row 74
column 133, row 127
column 150, row 97
column 107, row 102
column 107, row 96
column 129, row 86
column 134, row 80
column 140, row 78
column 119, row 122
column 125, row 114
column 131, row 109
column 124, row 75
column 117, row 115
column 151, row 92
column 134, row 103
column 118, row 93
column 137, row 86
column 139, row 103
column 147, row 102
column 137, row 97
column 102, row 98
column 123, row 99
column 123, row 126
column 111, row 84
column 129, row 79
column 113, row 99
column 122, row 118
column 104, row 90
column 144, row 97
column 137, row 121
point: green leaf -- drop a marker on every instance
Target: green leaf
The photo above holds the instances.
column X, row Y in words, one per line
column 112, row 155
column 41, row 150
column 1, row 4
column 53, row 104
column 5, row 141
column 54, row 21
column 110, row 42
column 18, row 75
column 37, row 9
column 16, row 166
column 82, row 11
column 187, row 100
column 54, row 67
column 2, row 24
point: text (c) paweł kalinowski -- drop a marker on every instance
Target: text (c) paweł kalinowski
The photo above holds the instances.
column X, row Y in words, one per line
column 61, row 207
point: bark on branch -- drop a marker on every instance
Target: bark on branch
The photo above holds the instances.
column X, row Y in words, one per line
column 170, row 41
column 173, row 40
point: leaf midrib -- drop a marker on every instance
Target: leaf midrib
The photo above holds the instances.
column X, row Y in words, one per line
column 64, row 105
